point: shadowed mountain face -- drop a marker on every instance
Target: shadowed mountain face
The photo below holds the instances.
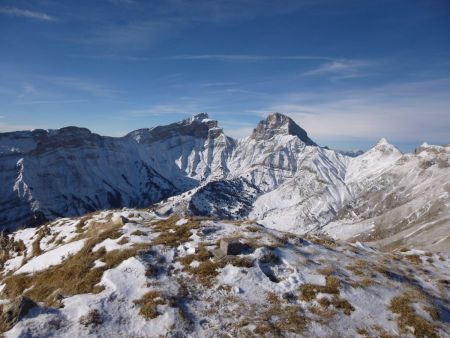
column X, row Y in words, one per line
column 67, row 172
column 278, row 176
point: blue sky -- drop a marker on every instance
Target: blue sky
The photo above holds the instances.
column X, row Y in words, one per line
column 349, row 72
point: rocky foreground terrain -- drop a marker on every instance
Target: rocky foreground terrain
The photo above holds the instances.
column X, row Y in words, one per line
column 131, row 273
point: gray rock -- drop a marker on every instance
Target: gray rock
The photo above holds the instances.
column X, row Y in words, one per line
column 279, row 124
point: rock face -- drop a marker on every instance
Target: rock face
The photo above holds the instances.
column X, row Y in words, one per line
column 227, row 199
column 71, row 171
column 279, row 124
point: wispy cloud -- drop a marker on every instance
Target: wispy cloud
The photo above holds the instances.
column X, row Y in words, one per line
column 28, row 90
column 401, row 111
column 133, row 58
column 133, row 35
column 51, row 102
column 12, row 11
column 341, row 69
column 82, row 85
column 245, row 57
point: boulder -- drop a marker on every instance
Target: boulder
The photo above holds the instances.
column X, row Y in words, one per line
column 230, row 247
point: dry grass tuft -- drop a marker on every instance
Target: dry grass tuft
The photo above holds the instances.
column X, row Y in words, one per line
column 242, row 262
column 326, row 271
column 308, row 292
column 173, row 235
column 415, row 259
column 36, row 245
column 323, row 240
column 409, row 320
column 19, row 246
column 278, row 318
column 76, row 275
column 138, row 233
column 342, row 304
column 79, row 228
column 365, row 282
column 358, row 267
column 149, row 304
column 124, row 240
column 338, row 303
column 363, row 332
column 207, row 270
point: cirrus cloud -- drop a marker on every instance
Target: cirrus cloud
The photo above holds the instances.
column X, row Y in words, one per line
column 13, row 11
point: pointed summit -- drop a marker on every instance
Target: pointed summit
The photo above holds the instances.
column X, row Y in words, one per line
column 384, row 145
column 384, row 148
column 280, row 124
column 383, row 141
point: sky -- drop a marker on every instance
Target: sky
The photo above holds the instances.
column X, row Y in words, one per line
column 348, row 71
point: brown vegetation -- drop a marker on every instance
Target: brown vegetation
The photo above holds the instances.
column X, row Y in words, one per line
column 76, row 275
column 149, row 304
column 409, row 320
column 415, row 259
column 138, row 233
column 171, row 234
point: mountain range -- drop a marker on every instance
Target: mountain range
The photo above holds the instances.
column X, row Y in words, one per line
column 278, row 176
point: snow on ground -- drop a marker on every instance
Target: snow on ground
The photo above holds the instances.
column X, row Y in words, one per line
column 281, row 284
column 51, row 258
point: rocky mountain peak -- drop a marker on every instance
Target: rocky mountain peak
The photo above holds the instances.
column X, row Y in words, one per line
column 197, row 126
column 385, row 147
column 279, row 124
column 383, row 141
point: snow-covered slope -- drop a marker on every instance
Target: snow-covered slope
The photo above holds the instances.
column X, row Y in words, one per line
column 139, row 275
column 403, row 201
column 277, row 176
column 71, row 171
